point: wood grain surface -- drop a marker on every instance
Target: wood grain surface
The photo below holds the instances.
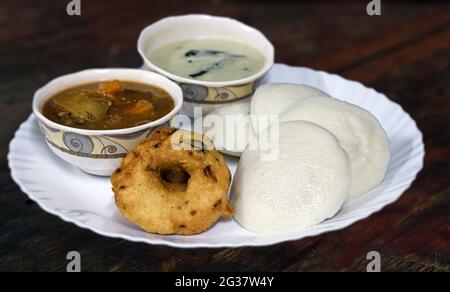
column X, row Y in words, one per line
column 405, row 53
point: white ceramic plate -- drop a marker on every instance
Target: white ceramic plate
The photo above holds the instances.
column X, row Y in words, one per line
column 87, row 201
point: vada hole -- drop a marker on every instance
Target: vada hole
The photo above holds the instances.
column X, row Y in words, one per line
column 175, row 178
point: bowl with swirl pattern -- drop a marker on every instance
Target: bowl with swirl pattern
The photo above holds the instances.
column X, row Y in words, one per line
column 99, row 152
column 207, row 94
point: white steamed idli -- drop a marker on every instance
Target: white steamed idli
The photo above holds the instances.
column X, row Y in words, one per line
column 275, row 98
column 230, row 128
column 358, row 132
column 306, row 184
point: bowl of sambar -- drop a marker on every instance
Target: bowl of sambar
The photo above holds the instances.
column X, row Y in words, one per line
column 92, row 118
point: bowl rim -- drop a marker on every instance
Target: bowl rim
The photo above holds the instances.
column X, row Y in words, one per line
column 177, row 97
column 270, row 58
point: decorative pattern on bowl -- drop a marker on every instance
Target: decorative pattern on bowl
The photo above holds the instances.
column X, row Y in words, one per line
column 200, row 94
column 113, row 146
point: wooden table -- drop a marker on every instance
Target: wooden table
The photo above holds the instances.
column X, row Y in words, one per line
column 404, row 53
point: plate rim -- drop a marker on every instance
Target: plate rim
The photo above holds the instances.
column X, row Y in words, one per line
column 267, row 242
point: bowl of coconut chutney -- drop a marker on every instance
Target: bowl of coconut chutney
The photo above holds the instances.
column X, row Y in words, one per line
column 215, row 60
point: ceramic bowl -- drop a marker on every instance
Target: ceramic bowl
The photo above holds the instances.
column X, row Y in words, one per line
column 99, row 152
column 206, row 94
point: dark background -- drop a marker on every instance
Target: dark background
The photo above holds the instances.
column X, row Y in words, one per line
column 404, row 53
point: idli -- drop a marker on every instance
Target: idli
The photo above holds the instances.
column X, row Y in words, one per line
column 275, row 98
column 230, row 128
column 358, row 132
column 306, row 184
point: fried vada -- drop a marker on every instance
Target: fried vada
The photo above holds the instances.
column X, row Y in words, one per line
column 175, row 182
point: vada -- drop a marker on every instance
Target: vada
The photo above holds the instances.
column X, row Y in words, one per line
column 175, row 182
